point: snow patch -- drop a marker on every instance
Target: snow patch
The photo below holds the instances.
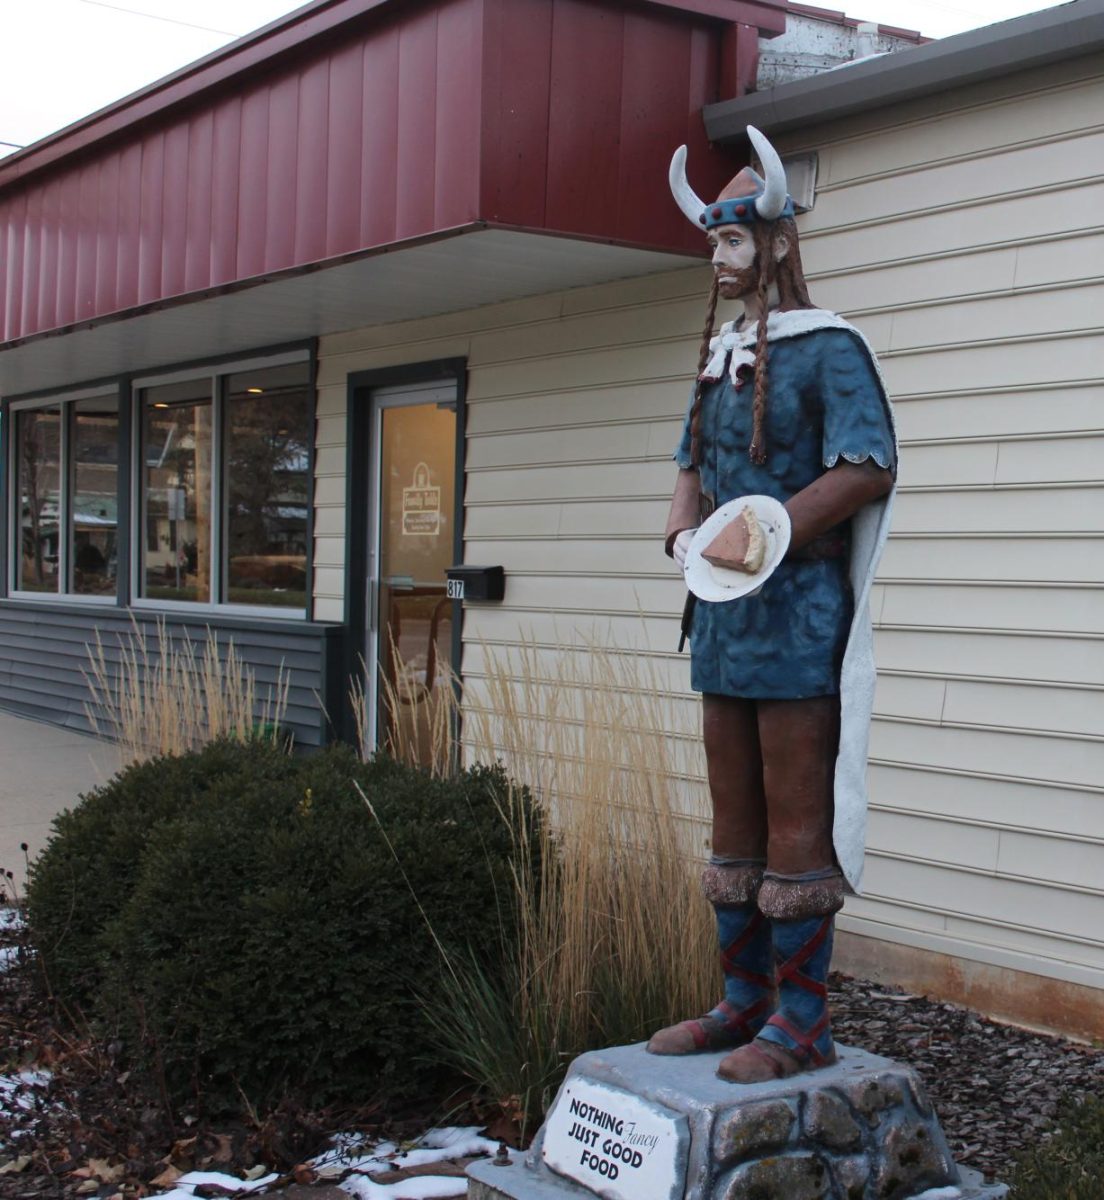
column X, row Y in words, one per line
column 436, row 1146
column 18, row 1091
column 9, row 956
column 11, row 918
column 357, row 1153
column 185, row 1186
column 464, row 1136
column 421, row 1187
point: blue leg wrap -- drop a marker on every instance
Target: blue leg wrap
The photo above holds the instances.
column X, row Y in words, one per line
column 803, row 950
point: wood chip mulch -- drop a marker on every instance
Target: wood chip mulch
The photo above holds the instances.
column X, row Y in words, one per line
column 995, row 1087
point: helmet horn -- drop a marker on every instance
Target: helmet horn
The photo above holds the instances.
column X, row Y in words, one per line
column 685, row 198
column 773, row 200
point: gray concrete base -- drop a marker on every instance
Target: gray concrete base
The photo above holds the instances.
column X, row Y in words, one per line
column 862, row 1129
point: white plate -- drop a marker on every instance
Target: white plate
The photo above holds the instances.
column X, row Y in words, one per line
column 708, row 582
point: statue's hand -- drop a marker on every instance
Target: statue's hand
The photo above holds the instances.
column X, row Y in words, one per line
column 681, row 546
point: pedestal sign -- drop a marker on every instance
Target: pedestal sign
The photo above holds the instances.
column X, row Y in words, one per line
column 615, row 1143
column 629, row 1125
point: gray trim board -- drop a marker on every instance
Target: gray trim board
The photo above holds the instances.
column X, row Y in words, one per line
column 44, row 653
column 7, row 458
column 123, row 482
column 1068, row 31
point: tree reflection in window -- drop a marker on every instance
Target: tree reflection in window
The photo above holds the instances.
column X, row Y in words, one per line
column 177, row 451
column 93, row 502
column 268, row 420
column 38, row 438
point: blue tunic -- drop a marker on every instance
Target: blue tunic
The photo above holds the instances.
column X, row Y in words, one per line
column 824, row 402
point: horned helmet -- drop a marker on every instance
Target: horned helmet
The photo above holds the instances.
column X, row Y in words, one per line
column 747, row 199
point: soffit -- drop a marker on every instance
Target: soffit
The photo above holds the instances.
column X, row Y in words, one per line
column 461, row 270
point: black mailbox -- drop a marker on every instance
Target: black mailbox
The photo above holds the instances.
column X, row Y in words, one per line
column 475, row 583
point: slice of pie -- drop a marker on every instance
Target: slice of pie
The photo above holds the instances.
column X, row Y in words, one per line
column 740, row 546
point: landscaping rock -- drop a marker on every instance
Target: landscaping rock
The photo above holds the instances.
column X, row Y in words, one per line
column 754, row 1129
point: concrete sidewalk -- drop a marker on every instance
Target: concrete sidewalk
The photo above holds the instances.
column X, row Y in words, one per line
column 43, row 769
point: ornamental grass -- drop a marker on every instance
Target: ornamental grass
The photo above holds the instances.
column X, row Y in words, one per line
column 162, row 696
column 609, row 938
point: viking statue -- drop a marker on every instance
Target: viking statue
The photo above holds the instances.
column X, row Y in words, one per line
column 789, row 411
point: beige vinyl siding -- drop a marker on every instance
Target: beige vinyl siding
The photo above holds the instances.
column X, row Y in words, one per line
column 964, row 235
column 574, row 405
column 329, row 505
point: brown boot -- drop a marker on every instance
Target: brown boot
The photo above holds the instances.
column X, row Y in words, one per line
column 746, row 962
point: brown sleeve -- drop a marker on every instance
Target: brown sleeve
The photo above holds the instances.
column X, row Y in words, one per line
column 685, row 508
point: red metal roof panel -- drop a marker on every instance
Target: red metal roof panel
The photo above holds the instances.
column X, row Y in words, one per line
column 555, row 114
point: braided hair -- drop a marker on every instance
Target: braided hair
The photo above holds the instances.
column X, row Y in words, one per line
column 699, row 386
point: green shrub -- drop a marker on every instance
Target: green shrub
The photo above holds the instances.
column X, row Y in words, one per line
column 1069, row 1165
column 88, row 870
column 272, row 937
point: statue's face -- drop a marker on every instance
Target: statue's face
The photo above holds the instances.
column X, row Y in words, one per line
column 734, row 260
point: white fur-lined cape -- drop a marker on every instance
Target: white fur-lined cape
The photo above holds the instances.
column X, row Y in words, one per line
column 869, row 529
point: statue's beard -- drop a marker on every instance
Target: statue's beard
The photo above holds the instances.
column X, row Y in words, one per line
column 733, row 284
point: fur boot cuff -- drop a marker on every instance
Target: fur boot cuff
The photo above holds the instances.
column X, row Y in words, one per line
column 731, row 885
column 785, row 899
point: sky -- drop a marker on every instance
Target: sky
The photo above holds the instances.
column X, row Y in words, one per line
column 63, row 59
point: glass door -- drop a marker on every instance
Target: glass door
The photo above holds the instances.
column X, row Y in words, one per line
column 413, row 533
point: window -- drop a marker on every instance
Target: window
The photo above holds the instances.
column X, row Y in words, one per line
column 177, row 446
column 219, row 490
column 66, row 496
column 94, row 507
column 267, row 448
column 224, row 488
column 38, row 444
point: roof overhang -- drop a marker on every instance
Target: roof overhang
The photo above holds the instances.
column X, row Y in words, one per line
column 1044, row 37
column 447, row 272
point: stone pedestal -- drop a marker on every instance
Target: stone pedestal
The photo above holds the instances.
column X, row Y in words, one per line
column 628, row 1125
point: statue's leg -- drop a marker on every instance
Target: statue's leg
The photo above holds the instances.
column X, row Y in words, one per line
column 802, row 888
column 734, row 760
column 731, row 884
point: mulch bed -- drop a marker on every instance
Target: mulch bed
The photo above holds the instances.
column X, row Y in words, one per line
column 995, row 1087
column 90, row 1132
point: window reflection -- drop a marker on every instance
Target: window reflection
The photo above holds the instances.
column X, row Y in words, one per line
column 267, row 460
column 93, row 506
column 38, row 441
column 176, row 487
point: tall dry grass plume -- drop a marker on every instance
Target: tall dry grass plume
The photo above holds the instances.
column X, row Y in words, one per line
column 612, row 938
column 159, row 696
column 418, row 718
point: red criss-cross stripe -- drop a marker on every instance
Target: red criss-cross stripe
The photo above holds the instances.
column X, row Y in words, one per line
column 805, row 1047
column 734, row 949
column 738, row 1020
column 791, row 969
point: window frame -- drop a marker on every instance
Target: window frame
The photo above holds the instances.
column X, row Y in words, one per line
column 65, row 404
column 130, row 494
column 217, row 374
